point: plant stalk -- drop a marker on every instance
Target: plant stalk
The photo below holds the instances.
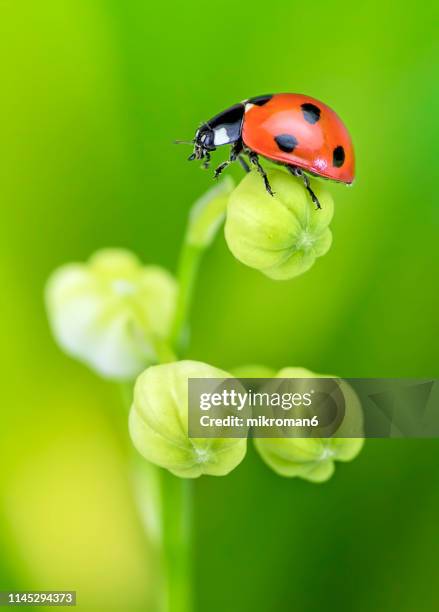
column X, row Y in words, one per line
column 176, row 516
column 176, row 493
column 188, row 267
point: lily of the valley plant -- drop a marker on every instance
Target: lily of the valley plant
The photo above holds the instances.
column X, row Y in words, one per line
column 127, row 321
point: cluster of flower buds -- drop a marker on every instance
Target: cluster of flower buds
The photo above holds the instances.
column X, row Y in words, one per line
column 116, row 315
column 159, row 428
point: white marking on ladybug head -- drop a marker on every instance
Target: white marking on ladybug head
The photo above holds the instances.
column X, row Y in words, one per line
column 221, row 137
column 248, row 106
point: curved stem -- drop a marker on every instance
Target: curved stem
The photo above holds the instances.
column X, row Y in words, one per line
column 189, row 264
column 164, row 352
column 205, row 219
column 167, row 509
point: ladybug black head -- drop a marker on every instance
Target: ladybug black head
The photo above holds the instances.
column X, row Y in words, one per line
column 223, row 129
column 203, row 142
column 205, row 137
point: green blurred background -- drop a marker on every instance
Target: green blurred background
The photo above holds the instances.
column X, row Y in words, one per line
column 93, row 93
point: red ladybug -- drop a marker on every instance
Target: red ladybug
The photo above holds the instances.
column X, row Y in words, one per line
column 297, row 131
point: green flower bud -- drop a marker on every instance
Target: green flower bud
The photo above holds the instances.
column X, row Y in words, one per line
column 112, row 312
column 282, row 235
column 313, row 458
column 253, row 371
column 159, row 423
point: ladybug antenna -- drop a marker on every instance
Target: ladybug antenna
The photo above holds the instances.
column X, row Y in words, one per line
column 187, row 142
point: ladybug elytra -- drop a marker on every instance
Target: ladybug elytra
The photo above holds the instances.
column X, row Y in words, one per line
column 294, row 130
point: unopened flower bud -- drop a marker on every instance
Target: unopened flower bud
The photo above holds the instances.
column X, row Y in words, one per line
column 313, row 458
column 159, row 423
column 253, row 371
column 281, row 235
column 111, row 311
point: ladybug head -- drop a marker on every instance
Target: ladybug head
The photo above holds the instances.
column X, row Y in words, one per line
column 203, row 142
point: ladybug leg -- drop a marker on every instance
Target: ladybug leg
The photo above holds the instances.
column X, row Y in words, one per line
column 314, row 198
column 220, row 168
column 244, row 164
column 254, row 159
column 207, row 161
column 299, row 173
column 234, row 153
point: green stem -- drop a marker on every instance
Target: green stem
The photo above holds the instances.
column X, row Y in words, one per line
column 188, row 267
column 205, row 219
column 176, row 511
column 146, row 486
column 164, row 352
column 176, row 493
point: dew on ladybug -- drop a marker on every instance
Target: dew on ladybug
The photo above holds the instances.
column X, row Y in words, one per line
column 294, row 130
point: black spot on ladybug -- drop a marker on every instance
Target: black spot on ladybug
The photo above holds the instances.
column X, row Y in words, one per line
column 311, row 112
column 338, row 157
column 286, row 142
column 260, row 100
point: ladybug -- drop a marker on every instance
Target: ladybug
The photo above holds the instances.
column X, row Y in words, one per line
column 294, row 130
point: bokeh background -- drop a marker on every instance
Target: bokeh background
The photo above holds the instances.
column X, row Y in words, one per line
column 92, row 95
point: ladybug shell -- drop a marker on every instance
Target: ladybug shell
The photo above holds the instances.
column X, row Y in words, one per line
column 301, row 131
